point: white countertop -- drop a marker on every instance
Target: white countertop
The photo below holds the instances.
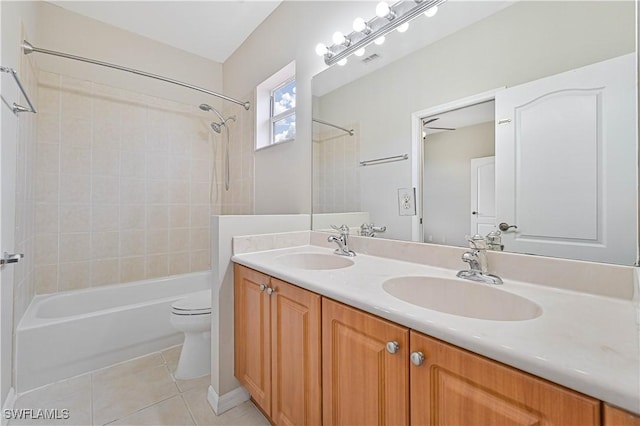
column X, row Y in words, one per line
column 582, row 341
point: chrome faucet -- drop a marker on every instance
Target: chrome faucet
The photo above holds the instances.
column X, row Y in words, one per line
column 342, row 240
column 477, row 260
column 369, row 229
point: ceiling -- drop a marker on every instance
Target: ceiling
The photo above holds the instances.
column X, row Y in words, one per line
column 213, row 29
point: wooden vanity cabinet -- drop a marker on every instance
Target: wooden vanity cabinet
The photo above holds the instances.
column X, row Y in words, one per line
column 308, row 360
column 365, row 371
column 456, row 387
column 616, row 417
column 277, row 347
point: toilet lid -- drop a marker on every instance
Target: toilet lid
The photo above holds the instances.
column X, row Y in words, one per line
column 195, row 303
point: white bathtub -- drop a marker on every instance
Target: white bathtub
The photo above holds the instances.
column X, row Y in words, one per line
column 66, row 334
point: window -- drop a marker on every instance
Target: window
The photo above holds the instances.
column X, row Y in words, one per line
column 283, row 112
column 276, row 108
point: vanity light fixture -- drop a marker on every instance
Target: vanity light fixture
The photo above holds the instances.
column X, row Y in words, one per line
column 388, row 18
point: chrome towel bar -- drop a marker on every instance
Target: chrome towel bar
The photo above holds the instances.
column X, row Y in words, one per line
column 15, row 107
column 385, row 160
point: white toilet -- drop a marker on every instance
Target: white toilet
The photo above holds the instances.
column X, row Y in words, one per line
column 192, row 315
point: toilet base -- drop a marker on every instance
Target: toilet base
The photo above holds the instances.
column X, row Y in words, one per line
column 195, row 358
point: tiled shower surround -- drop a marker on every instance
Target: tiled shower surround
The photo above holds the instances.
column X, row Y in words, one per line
column 121, row 185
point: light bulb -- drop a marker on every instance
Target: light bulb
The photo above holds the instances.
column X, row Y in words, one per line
column 431, row 12
column 338, row 38
column 321, row 49
column 359, row 25
column 342, row 62
column 379, row 40
column 359, row 52
column 383, row 9
column 402, row 28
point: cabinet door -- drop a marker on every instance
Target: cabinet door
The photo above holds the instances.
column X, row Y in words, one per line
column 252, row 339
column 363, row 384
column 455, row 387
column 296, row 397
column 616, row 417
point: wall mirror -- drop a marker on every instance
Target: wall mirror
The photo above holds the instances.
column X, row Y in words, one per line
column 467, row 115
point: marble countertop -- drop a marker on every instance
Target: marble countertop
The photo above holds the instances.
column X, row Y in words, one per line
column 585, row 342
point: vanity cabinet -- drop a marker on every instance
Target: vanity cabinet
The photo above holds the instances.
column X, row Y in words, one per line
column 309, row 360
column 277, row 347
column 364, row 368
column 616, row 417
column 456, row 387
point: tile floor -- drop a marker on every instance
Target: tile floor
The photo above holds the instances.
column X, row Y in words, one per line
column 142, row 391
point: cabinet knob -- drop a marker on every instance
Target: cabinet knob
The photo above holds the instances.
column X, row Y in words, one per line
column 417, row 358
column 393, row 347
column 270, row 291
column 263, row 287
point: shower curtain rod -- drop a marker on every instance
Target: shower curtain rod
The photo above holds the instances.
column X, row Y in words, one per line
column 29, row 48
column 350, row 131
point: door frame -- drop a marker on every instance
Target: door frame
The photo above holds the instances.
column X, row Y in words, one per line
column 417, row 149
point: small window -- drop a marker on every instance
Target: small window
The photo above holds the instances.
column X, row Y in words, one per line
column 283, row 112
column 276, row 108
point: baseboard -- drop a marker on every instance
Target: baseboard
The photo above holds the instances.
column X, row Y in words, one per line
column 8, row 404
column 226, row 402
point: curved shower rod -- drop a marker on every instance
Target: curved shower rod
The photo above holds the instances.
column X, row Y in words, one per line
column 28, row 48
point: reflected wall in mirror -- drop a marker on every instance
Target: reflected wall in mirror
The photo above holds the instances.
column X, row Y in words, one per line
column 508, row 45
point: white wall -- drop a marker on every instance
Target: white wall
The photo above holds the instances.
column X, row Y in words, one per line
column 87, row 37
column 224, row 228
column 291, row 32
column 524, row 42
column 15, row 16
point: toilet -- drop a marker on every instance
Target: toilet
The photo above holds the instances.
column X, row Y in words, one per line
column 192, row 315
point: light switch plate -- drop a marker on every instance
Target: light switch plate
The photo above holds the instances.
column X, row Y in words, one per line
column 407, row 201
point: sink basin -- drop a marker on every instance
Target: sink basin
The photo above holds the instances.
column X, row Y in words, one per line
column 314, row 261
column 462, row 298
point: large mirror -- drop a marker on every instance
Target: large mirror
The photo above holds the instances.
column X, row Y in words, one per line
column 468, row 115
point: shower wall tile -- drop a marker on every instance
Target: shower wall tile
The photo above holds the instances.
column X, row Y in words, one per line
column 132, row 269
column 46, row 188
column 121, row 181
column 105, row 244
column 46, row 279
column 104, row 217
column 28, row 187
column 75, row 247
column 75, row 218
column 157, row 265
column 48, row 158
column 179, row 263
column 74, row 276
column 157, row 241
column 106, row 271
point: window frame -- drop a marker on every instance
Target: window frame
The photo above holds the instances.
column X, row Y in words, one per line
column 273, row 119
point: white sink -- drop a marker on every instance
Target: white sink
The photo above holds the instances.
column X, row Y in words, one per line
column 462, row 298
column 314, row 261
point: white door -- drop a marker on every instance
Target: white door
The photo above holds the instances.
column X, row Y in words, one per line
column 566, row 160
column 483, row 199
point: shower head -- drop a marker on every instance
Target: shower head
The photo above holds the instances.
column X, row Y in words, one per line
column 217, row 127
column 207, row 107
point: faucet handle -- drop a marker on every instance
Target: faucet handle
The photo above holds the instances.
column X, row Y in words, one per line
column 477, row 242
column 344, row 229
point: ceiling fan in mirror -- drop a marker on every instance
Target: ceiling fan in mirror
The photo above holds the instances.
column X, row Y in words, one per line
column 425, row 123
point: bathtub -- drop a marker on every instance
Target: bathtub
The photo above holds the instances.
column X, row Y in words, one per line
column 66, row 334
